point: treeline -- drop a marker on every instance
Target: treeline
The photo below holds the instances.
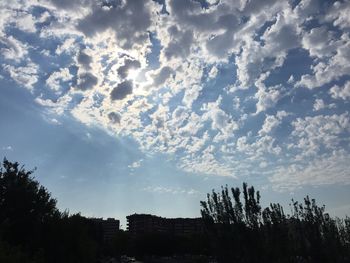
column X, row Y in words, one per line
column 32, row 229
column 242, row 231
column 147, row 246
column 236, row 229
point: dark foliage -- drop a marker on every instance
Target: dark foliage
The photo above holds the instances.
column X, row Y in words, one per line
column 164, row 244
column 241, row 231
column 238, row 229
column 31, row 227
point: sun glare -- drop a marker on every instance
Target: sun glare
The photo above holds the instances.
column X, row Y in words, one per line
column 133, row 74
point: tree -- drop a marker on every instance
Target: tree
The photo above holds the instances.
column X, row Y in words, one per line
column 243, row 232
column 232, row 224
column 219, row 207
column 32, row 229
column 25, row 205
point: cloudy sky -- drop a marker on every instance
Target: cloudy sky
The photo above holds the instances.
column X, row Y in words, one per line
column 145, row 106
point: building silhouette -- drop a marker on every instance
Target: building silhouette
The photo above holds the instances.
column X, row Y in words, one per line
column 145, row 223
column 108, row 227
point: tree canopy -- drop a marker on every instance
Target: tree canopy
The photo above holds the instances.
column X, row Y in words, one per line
column 242, row 231
column 22, row 197
column 32, row 229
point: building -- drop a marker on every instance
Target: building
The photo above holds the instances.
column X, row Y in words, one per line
column 186, row 226
column 145, row 223
column 109, row 227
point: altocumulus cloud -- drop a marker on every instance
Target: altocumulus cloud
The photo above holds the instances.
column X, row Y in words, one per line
column 86, row 81
column 122, row 90
column 227, row 88
column 114, row 117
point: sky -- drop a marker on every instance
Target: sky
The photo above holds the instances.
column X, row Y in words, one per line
column 145, row 106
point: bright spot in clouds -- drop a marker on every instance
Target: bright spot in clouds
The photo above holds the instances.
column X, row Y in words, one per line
column 133, row 74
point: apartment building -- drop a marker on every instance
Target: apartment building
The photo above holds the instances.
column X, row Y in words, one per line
column 146, row 223
column 109, row 226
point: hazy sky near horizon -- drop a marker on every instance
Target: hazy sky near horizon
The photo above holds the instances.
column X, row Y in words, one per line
column 145, row 106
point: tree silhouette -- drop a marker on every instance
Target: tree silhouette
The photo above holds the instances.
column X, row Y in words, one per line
column 238, row 229
column 25, row 206
column 244, row 232
column 32, row 229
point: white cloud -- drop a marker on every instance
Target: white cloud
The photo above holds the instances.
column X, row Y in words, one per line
column 25, row 76
column 135, row 164
column 13, row 49
column 25, row 22
column 319, row 105
column 193, row 125
column 267, row 96
column 67, row 46
column 55, row 80
column 313, row 133
column 341, row 93
column 213, row 72
column 258, row 147
column 44, row 17
column 58, row 107
column 206, row 163
column 170, row 190
column 282, row 35
column 339, row 14
column 7, row 148
column 329, row 69
column 319, row 42
column 279, row 38
column 325, row 170
column 220, row 120
column 191, row 94
column 55, row 121
column 196, row 144
column 271, row 122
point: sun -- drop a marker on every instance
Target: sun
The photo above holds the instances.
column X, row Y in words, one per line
column 133, row 74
